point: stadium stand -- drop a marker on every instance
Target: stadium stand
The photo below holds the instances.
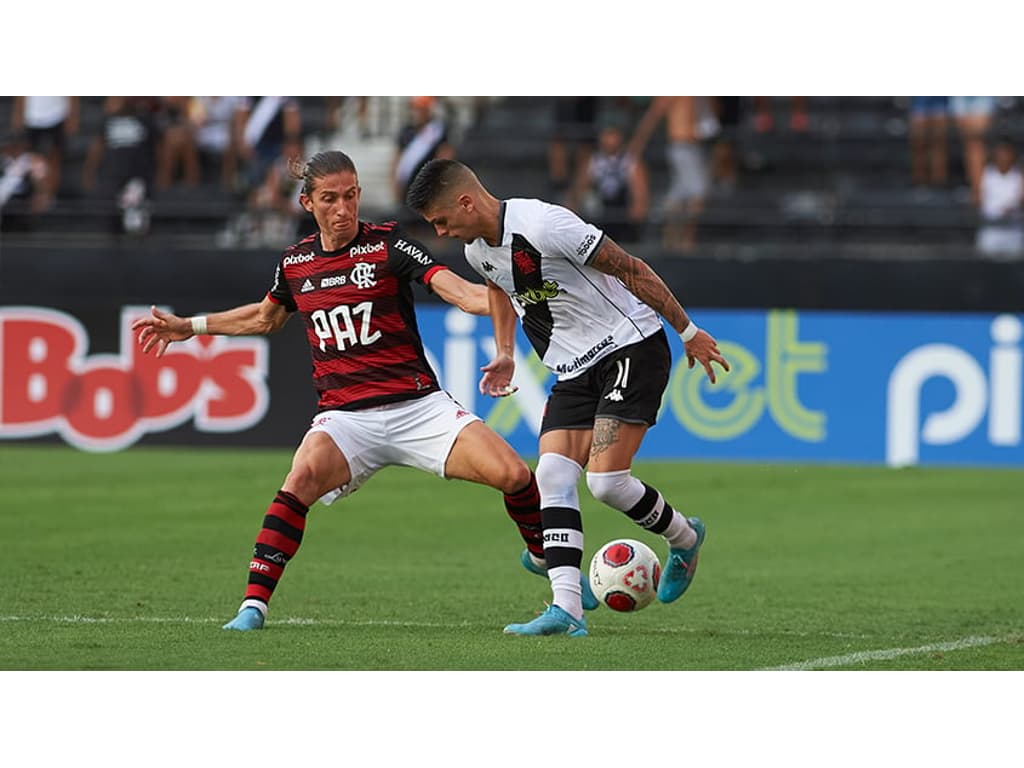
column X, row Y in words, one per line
column 839, row 191
column 845, row 180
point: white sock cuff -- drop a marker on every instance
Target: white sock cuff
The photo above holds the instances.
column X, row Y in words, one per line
column 680, row 533
column 566, row 590
column 259, row 605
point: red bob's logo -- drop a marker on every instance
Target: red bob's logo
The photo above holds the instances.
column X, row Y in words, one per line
column 105, row 402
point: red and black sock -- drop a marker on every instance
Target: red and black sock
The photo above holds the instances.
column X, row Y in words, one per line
column 523, row 507
column 276, row 544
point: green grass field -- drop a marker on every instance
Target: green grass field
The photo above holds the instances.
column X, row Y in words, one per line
column 133, row 560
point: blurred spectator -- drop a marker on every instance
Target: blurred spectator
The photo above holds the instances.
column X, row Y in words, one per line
column 973, row 116
column 617, row 181
column 688, row 172
column 46, row 122
column 218, row 123
column 22, row 174
column 572, row 139
column 340, row 109
column 764, row 120
column 176, row 147
column 272, row 210
column 1001, row 204
column 273, row 123
column 629, row 109
column 423, row 138
column 929, row 159
column 121, row 160
column 274, row 205
column 467, row 113
column 724, row 150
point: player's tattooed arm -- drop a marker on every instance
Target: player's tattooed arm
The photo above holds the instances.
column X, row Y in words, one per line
column 642, row 281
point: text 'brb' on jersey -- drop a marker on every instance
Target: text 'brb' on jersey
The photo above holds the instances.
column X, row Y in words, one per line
column 573, row 314
column 360, row 319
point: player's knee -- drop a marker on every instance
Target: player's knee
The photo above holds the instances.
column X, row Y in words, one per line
column 619, row 490
column 516, row 476
column 303, row 481
column 557, row 477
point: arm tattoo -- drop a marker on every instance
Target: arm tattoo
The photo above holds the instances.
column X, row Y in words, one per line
column 606, row 434
column 642, row 281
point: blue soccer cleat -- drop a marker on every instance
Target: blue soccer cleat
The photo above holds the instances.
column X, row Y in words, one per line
column 590, row 602
column 247, row 618
column 531, row 566
column 680, row 566
column 554, row 621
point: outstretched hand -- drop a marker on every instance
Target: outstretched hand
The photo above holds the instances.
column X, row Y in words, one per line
column 160, row 329
column 704, row 348
column 497, row 378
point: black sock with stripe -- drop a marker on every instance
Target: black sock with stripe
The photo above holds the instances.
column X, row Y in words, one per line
column 563, row 550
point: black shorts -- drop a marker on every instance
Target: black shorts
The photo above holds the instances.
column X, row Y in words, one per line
column 626, row 386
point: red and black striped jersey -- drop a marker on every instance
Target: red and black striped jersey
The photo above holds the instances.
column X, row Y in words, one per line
column 360, row 318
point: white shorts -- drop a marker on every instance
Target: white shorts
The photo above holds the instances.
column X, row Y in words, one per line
column 413, row 433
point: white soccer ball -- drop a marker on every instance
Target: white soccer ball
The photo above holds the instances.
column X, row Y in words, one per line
column 624, row 575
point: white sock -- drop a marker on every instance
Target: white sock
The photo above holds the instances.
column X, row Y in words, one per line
column 259, row 605
column 540, row 562
column 679, row 534
column 565, row 585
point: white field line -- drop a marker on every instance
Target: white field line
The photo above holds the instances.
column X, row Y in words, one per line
column 293, row 621
column 888, row 653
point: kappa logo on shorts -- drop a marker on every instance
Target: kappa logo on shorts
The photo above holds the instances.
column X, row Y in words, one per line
column 621, row 380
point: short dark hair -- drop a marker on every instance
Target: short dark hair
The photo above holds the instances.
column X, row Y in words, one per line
column 319, row 165
column 432, row 182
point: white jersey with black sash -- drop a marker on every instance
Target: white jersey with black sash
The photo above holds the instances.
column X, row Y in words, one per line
column 572, row 314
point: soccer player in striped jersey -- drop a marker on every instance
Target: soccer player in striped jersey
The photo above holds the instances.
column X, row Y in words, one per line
column 591, row 312
column 380, row 402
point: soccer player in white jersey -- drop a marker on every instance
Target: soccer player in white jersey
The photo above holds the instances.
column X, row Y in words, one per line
column 591, row 312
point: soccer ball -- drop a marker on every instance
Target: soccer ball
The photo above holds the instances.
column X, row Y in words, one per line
column 624, row 575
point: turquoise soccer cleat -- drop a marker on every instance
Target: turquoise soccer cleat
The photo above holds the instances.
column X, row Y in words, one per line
column 681, row 566
column 554, row 621
column 529, row 565
column 590, row 601
column 247, row 618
